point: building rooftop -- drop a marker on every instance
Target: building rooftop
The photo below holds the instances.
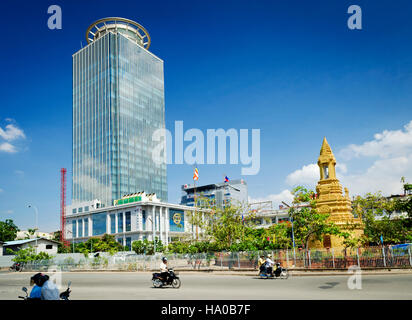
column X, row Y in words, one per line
column 129, row 28
column 17, row 242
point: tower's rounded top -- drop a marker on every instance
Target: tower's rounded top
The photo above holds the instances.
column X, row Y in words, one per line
column 126, row 27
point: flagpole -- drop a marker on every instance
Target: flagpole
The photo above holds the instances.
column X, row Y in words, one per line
column 195, row 217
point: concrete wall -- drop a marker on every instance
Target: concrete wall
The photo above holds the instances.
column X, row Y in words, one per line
column 5, row 261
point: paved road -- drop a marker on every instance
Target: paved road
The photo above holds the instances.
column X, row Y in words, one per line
column 125, row 285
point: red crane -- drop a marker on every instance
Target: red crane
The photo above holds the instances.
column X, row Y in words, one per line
column 63, row 206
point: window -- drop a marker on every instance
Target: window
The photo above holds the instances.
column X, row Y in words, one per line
column 73, row 228
column 80, row 228
column 86, row 227
column 86, row 208
column 80, row 210
column 129, row 243
column 112, row 223
column 49, row 246
column 74, row 211
column 99, row 223
column 120, row 222
column 128, row 222
column 120, row 240
column 144, row 219
column 325, row 172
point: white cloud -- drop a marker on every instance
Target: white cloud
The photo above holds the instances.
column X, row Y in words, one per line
column 387, row 144
column 305, row 176
column 1, row 190
column 7, row 147
column 9, row 134
column 277, row 198
column 389, row 157
column 12, row 133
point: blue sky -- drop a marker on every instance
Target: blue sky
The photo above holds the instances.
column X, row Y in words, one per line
column 292, row 69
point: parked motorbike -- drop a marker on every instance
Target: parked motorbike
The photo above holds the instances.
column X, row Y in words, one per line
column 17, row 267
column 64, row 295
column 172, row 279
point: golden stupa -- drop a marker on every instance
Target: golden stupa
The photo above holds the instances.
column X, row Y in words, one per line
column 331, row 200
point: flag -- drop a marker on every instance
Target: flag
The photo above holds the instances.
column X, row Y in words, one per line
column 382, row 239
column 226, row 179
column 196, row 174
column 243, row 220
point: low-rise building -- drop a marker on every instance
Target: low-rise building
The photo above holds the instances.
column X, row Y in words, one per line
column 39, row 244
column 134, row 217
column 233, row 192
column 25, row 234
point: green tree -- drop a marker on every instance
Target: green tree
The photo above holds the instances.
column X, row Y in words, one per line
column 226, row 226
column 29, row 255
column 8, row 230
column 308, row 223
column 377, row 212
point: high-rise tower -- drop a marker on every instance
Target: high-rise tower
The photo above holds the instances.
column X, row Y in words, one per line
column 118, row 102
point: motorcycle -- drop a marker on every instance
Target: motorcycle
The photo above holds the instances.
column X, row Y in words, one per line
column 17, row 267
column 172, row 279
column 281, row 273
column 64, row 295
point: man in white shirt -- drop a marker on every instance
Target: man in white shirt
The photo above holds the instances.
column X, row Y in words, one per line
column 164, row 271
column 49, row 291
column 269, row 264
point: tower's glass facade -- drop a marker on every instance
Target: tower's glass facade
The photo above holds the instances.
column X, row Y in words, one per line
column 118, row 102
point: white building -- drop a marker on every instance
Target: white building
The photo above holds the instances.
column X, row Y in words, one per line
column 41, row 245
column 24, row 234
column 134, row 217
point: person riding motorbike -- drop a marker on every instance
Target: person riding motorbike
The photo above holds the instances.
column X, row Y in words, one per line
column 36, row 280
column 164, row 271
column 261, row 264
column 49, row 291
column 269, row 264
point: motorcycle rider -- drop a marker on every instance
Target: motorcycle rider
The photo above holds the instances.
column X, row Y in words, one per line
column 261, row 264
column 37, row 281
column 269, row 264
column 164, row 271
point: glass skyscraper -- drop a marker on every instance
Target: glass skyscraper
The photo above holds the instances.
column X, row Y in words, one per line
column 118, row 102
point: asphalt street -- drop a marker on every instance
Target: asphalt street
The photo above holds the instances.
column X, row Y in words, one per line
column 138, row 286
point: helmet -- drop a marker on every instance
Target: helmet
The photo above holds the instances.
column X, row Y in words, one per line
column 164, row 259
column 269, row 256
column 39, row 279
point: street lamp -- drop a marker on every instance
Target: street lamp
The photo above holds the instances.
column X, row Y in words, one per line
column 153, row 231
column 68, row 231
column 293, row 235
column 37, row 215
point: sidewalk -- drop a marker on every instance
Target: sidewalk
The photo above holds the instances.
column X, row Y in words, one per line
column 253, row 273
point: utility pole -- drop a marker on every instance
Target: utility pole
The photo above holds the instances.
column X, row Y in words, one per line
column 37, row 216
column 293, row 235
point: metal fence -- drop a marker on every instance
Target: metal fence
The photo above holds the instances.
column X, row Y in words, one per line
column 371, row 257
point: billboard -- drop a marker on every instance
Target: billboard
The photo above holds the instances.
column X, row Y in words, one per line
column 176, row 220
